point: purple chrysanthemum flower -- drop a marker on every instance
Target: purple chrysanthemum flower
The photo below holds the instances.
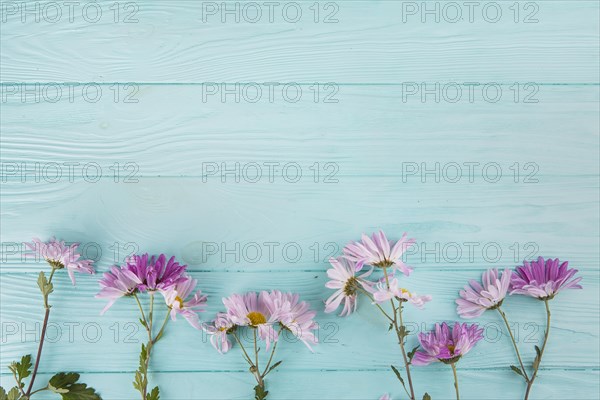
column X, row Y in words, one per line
column 59, row 256
column 446, row 344
column 487, row 295
column 295, row 316
column 347, row 284
column 156, row 273
column 219, row 329
column 378, row 251
column 382, row 294
column 543, row 280
column 176, row 298
column 251, row 310
column 117, row 283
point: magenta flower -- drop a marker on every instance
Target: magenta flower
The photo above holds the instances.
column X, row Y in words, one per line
column 477, row 298
column 251, row 310
column 445, row 344
column 344, row 280
column 543, row 280
column 59, row 255
column 175, row 298
column 378, row 251
column 117, row 283
column 219, row 330
column 383, row 294
column 295, row 316
column 156, row 273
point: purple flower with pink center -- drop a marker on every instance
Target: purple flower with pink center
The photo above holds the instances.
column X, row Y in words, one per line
column 59, row 256
column 477, row 297
column 544, row 279
column 378, row 251
column 445, row 344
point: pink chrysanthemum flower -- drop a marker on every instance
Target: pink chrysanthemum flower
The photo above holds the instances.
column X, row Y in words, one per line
column 117, row 283
column 347, row 284
column 487, row 295
column 156, row 273
column 218, row 331
column 59, row 256
column 543, row 280
column 251, row 310
column 445, row 344
column 378, row 251
column 383, row 294
column 176, row 297
column 385, row 397
column 296, row 316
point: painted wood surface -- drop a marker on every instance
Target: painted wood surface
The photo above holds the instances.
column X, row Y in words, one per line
column 119, row 135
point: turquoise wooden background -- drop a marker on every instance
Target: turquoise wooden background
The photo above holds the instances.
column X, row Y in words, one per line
column 368, row 140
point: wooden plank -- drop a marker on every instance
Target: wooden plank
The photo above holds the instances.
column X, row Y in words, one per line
column 346, row 342
column 282, row 226
column 372, row 130
column 378, row 42
column 355, row 385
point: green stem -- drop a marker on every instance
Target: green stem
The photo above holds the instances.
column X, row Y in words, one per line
column 455, row 380
column 398, row 314
column 378, row 306
column 539, row 360
column 42, row 338
column 248, row 359
column 258, row 375
column 162, row 328
column 266, row 371
column 514, row 342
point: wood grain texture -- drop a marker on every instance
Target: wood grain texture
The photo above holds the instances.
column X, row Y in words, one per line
column 365, row 144
column 171, row 43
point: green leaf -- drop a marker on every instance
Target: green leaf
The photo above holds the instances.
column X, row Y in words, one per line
column 538, row 358
column 13, row 394
column 398, row 375
column 60, row 382
column 80, row 391
column 153, row 395
column 391, row 327
column 517, row 370
column 411, row 353
column 260, row 393
column 274, row 366
column 66, row 385
column 426, row 396
column 45, row 286
column 22, row 369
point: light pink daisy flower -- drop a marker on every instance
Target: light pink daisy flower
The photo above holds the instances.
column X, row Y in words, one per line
column 383, row 294
column 251, row 310
column 477, row 298
column 117, row 283
column 347, row 284
column 176, row 297
column 297, row 317
column 378, row 251
column 59, row 255
column 219, row 329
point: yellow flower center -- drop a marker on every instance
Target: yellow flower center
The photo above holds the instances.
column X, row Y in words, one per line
column 405, row 291
column 451, row 348
column 256, row 318
column 180, row 301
